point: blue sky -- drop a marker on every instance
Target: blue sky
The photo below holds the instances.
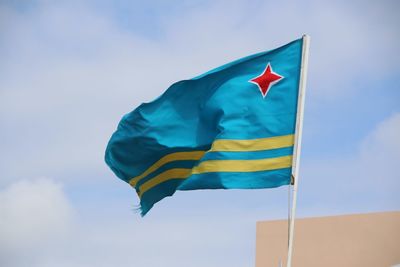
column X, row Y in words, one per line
column 70, row 69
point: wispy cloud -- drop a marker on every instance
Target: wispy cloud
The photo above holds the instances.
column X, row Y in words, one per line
column 71, row 71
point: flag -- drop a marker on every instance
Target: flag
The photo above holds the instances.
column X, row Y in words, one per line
column 232, row 127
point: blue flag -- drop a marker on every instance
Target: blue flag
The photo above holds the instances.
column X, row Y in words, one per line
column 232, row 127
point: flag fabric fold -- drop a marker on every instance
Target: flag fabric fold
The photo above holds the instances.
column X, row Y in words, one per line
column 232, row 127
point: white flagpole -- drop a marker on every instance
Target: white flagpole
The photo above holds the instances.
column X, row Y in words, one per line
column 297, row 141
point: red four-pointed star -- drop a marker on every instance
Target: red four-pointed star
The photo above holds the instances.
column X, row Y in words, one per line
column 266, row 80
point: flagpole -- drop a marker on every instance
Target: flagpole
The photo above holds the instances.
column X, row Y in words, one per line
column 297, row 141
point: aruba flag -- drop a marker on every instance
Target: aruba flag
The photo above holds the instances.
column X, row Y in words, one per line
column 232, row 127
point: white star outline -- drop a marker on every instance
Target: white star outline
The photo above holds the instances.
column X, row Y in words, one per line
column 271, row 83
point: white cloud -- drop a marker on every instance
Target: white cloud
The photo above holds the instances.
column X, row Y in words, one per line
column 366, row 180
column 39, row 227
column 34, row 214
column 186, row 242
column 380, row 155
column 384, row 141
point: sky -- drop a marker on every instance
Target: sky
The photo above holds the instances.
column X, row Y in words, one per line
column 69, row 70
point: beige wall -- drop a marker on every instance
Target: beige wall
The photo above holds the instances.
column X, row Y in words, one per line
column 365, row 240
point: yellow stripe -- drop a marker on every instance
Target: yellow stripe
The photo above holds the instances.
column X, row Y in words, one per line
column 221, row 145
column 219, row 166
column 193, row 155
column 178, row 173
column 254, row 144
column 243, row 165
